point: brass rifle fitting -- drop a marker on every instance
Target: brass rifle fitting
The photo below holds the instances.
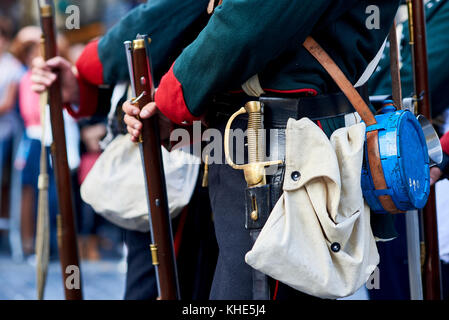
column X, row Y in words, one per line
column 411, row 23
column 59, row 231
column 139, row 44
column 154, row 257
column 46, row 11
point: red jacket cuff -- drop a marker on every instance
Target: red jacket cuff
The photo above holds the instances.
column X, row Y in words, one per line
column 170, row 101
column 89, row 64
column 90, row 76
column 445, row 143
column 88, row 100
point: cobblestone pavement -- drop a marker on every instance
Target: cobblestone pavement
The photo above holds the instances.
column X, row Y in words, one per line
column 102, row 280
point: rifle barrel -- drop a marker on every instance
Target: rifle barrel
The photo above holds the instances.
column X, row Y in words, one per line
column 162, row 248
column 67, row 243
column 431, row 268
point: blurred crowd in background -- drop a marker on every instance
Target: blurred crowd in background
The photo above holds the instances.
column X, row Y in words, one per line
column 21, row 129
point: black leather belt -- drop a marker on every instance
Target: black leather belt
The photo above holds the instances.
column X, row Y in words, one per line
column 278, row 110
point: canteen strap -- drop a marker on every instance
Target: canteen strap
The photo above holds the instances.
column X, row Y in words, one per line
column 365, row 113
column 341, row 80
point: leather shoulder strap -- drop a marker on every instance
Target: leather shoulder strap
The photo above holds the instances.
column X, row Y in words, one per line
column 340, row 79
column 372, row 136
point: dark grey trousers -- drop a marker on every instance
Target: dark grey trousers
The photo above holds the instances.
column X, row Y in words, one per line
column 233, row 277
column 196, row 259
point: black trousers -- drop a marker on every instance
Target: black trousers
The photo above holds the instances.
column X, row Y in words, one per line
column 140, row 276
column 393, row 268
column 197, row 257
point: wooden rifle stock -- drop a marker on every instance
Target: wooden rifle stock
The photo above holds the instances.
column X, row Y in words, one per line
column 162, row 248
column 67, row 244
column 431, row 268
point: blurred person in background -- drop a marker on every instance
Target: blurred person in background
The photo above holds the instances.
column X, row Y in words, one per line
column 11, row 72
column 116, row 9
column 98, row 237
column 441, row 173
column 92, row 132
column 194, row 231
column 26, row 47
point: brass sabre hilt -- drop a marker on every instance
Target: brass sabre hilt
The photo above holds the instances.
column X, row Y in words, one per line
column 255, row 170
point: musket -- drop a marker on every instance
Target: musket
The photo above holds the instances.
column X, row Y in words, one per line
column 411, row 217
column 162, row 248
column 431, row 266
column 67, row 244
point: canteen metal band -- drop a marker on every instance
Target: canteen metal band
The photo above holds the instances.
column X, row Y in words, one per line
column 395, row 175
column 405, row 161
column 407, row 149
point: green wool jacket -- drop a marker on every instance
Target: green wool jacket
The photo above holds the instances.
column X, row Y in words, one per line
column 196, row 56
column 437, row 24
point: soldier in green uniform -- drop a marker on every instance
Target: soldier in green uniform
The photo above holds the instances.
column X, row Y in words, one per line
column 242, row 39
column 200, row 63
column 87, row 89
